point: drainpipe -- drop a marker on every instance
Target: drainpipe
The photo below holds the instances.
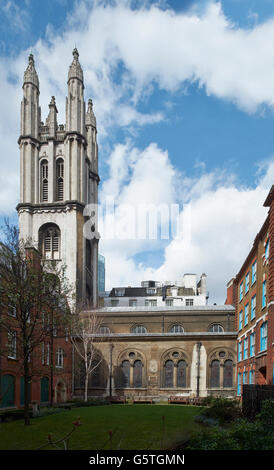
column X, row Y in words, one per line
column 198, row 368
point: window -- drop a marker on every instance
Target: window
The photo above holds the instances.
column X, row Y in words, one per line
column 239, row 383
column 137, row 374
column 139, row 330
column 43, row 354
column 228, row 374
column 264, row 295
column 253, row 307
column 44, row 181
column 254, row 272
column 267, row 250
column 168, row 374
column 12, row 344
column 169, row 302
column 240, row 319
column 239, row 351
column 132, row 303
column 215, row 374
column 216, row 328
column 247, row 282
column 251, row 377
column 151, row 302
column 114, row 302
column 104, row 330
column 252, row 344
column 50, row 241
column 181, row 374
column 60, row 179
column 120, row 292
column 176, row 329
column 125, row 374
column 48, row 354
column 60, row 357
column 263, row 336
column 241, row 290
column 151, row 291
column 245, row 377
column 246, row 313
column 189, row 302
column 245, row 348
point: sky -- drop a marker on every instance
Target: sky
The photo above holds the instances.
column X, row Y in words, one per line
column 183, row 94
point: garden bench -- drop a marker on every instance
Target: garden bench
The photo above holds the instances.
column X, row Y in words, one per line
column 178, row 399
column 143, row 400
column 117, row 399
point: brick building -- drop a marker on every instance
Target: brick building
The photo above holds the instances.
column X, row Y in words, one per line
column 252, row 291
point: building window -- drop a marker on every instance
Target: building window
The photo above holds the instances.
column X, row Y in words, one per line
column 60, row 179
column 251, row 377
column 104, row 330
column 239, row 383
column 240, row 319
column 137, row 374
column 245, row 377
column 189, row 302
column 263, row 336
column 12, row 344
column 151, row 302
column 252, row 344
column 114, row 302
column 245, row 348
column 139, row 330
column 168, row 374
column 132, row 303
column 215, row 374
column 246, row 313
column 247, row 282
column 228, row 374
column 44, row 181
column 181, row 374
column 267, row 250
column 177, row 329
column 60, row 357
column 11, row 310
column 253, row 307
column 241, row 290
column 239, row 351
column 125, row 372
column 254, row 272
column 216, row 328
column 169, row 302
column 264, row 295
column 50, row 242
column 119, row 292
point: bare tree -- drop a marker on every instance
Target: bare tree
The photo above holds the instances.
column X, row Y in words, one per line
column 84, row 337
column 33, row 301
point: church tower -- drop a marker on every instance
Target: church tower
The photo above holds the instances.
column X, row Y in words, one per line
column 59, row 178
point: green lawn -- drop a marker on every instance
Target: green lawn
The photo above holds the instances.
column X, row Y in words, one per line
column 133, row 427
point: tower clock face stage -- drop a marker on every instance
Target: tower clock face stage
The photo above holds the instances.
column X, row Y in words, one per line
column 58, row 178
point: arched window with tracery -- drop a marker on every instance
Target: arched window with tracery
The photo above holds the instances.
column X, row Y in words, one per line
column 215, row 374
column 228, row 373
column 50, row 241
column 139, row 330
column 44, row 178
column 181, row 374
column 177, row 329
column 168, row 374
column 137, row 374
column 125, row 374
column 60, row 179
column 216, row 328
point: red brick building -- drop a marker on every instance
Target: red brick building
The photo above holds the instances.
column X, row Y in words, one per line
column 252, row 292
column 50, row 373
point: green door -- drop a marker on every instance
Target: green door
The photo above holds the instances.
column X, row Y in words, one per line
column 7, row 391
column 44, row 390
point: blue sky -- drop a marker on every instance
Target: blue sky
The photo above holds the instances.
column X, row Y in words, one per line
column 183, row 86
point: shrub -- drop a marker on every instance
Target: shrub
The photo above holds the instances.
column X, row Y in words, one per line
column 223, row 410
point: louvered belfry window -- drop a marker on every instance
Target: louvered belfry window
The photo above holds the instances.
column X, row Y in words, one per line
column 60, row 179
column 44, row 181
column 51, row 243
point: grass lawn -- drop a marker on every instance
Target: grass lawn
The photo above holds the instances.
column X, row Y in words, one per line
column 133, row 427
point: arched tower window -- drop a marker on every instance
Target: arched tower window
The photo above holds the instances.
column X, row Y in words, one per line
column 50, row 241
column 44, row 176
column 60, row 179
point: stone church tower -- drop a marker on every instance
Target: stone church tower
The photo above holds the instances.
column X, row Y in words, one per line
column 59, row 177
